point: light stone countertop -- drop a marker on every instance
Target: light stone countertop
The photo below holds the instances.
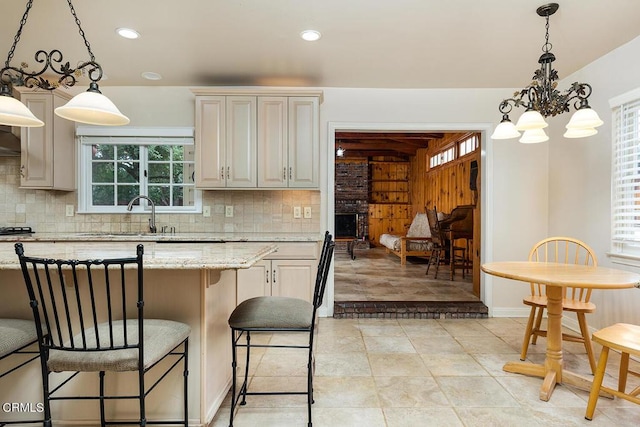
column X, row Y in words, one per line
column 217, row 256
column 204, row 237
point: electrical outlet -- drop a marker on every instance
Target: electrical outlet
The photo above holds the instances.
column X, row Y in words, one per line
column 228, row 211
column 206, row 211
column 70, row 210
column 307, row 211
column 297, row 212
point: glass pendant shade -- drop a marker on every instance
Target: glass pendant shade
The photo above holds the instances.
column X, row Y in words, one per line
column 505, row 130
column 92, row 108
column 531, row 119
column 579, row 133
column 15, row 113
column 533, row 136
column 584, row 118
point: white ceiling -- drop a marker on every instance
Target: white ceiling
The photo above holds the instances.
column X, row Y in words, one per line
column 365, row 43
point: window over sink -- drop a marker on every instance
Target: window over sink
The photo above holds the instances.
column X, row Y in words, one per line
column 117, row 164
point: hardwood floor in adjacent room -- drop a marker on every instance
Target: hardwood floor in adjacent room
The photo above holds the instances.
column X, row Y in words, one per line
column 378, row 276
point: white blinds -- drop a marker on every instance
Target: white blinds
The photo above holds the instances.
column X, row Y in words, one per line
column 626, row 173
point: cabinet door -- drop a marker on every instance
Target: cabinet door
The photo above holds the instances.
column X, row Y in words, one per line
column 304, row 142
column 210, row 136
column 64, row 149
column 272, row 142
column 36, row 168
column 254, row 281
column 293, row 278
column 241, row 171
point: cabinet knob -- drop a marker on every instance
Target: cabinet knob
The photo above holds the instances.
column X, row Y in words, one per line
column 290, row 173
column 222, row 173
column 22, row 168
column 228, row 167
column 284, row 173
column 274, row 276
column 267, row 276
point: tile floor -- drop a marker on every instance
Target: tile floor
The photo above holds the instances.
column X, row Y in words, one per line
column 378, row 276
column 415, row 372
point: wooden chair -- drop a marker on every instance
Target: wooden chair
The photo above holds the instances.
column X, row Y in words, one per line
column 93, row 312
column 624, row 338
column 441, row 246
column 575, row 299
column 278, row 315
column 16, row 336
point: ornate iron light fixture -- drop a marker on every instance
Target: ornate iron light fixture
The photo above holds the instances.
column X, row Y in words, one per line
column 88, row 107
column 542, row 99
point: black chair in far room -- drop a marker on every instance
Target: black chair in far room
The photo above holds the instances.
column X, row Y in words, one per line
column 274, row 315
column 94, row 312
column 17, row 339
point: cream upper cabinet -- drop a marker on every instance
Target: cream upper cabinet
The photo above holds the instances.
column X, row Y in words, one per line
column 226, row 142
column 288, row 142
column 48, row 153
column 304, row 142
column 257, row 139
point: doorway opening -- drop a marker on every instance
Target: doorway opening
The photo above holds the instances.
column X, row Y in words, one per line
column 370, row 282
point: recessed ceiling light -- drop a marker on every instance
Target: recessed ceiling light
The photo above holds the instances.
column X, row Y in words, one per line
column 310, row 35
column 150, row 75
column 128, row 33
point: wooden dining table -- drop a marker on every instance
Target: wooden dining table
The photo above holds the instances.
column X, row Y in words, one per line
column 557, row 276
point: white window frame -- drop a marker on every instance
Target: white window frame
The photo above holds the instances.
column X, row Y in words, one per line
column 90, row 135
column 625, row 176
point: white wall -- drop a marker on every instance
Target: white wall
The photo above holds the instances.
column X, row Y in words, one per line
column 580, row 177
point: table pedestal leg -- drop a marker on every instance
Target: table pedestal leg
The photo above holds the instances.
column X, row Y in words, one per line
column 553, row 360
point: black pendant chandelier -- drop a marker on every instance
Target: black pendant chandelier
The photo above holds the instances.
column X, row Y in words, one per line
column 542, row 99
column 88, row 107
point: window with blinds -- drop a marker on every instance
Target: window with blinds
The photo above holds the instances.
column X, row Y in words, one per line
column 625, row 200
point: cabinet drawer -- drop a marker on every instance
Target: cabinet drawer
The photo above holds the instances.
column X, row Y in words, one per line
column 295, row 251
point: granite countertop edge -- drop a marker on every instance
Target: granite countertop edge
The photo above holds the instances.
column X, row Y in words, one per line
column 200, row 237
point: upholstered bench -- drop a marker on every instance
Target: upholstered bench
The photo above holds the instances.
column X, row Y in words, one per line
column 417, row 241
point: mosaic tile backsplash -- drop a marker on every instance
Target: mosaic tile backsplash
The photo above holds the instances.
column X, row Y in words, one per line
column 255, row 211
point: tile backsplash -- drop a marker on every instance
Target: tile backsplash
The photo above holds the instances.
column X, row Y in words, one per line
column 254, row 210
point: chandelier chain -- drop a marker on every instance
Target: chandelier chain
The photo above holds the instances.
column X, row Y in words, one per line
column 81, row 31
column 16, row 38
column 546, row 48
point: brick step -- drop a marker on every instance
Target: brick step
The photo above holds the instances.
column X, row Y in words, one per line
column 410, row 310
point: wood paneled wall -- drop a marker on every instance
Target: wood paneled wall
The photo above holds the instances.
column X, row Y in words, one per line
column 446, row 186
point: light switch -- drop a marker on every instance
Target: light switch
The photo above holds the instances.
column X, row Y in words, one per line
column 206, row 211
column 228, row 211
column 307, row 211
column 297, row 212
column 70, row 210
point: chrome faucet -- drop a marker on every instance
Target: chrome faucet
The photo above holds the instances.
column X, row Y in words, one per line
column 152, row 220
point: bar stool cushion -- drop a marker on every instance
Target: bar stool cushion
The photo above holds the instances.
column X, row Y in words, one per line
column 160, row 337
column 272, row 313
column 16, row 333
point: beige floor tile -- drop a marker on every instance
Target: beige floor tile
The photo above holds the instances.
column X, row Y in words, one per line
column 409, row 392
column 397, row 364
column 339, row 344
column 347, row 417
column 484, row 344
column 453, row 365
column 497, row 417
column 465, row 392
column 437, row 345
column 345, row 392
column 377, row 344
column 493, row 363
column 423, row 417
column 283, row 363
column 342, row 364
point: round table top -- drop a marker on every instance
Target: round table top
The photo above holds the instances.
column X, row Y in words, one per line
column 555, row 274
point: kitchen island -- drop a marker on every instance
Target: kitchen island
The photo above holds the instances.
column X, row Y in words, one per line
column 194, row 283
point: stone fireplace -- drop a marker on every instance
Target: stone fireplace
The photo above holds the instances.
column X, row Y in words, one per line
column 351, row 198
